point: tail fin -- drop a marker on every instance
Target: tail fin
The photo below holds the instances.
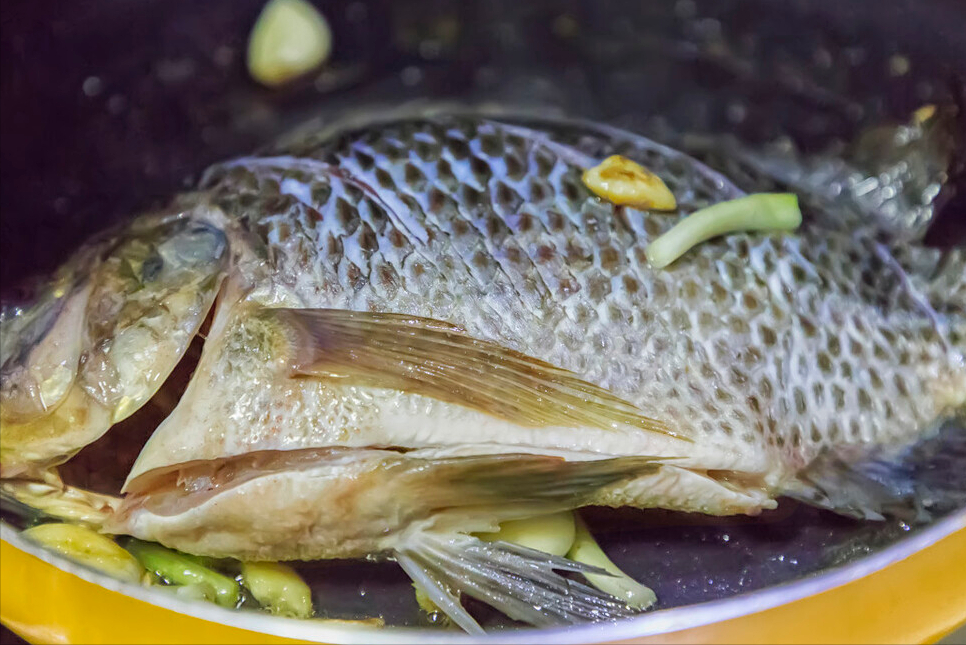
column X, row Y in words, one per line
column 868, row 490
column 520, row 582
column 925, row 479
column 936, row 276
column 885, row 181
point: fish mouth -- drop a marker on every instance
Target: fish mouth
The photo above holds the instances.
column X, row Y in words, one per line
column 89, row 469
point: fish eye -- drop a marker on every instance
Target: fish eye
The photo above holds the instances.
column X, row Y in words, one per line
column 151, row 268
column 198, row 244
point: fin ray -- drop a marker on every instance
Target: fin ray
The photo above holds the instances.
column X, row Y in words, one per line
column 912, row 483
column 439, row 594
column 521, row 583
column 439, row 360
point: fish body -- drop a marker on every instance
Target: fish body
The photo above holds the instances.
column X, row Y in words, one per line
column 760, row 350
column 407, row 305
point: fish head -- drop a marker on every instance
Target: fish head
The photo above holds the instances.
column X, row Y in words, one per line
column 95, row 346
column 41, row 348
column 153, row 291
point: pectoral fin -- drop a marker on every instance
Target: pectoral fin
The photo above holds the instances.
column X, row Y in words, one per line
column 439, row 360
column 519, row 485
column 351, row 502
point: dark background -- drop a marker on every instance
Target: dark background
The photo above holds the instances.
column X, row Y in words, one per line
column 108, row 106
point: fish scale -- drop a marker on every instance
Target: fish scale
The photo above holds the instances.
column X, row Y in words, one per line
column 765, row 349
column 493, row 323
column 731, row 345
column 588, row 214
column 429, row 326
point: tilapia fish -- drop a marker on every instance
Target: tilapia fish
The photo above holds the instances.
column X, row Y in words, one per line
column 424, row 327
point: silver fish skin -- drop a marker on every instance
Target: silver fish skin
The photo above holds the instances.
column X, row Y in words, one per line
column 762, row 351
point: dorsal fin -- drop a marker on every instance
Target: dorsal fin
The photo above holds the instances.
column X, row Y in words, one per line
column 439, row 360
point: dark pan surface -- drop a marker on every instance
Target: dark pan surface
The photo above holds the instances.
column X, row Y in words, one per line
column 109, row 106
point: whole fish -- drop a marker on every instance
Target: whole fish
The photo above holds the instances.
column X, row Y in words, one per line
column 426, row 326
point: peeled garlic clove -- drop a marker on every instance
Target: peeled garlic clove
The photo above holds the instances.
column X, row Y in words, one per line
column 289, row 39
column 278, row 588
column 87, row 547
column 627, row 183
column 553, row 533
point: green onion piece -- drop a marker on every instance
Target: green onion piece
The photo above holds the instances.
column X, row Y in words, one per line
column 197, row 591
column 620, row 585
column 181, row 569
column 759, row 212
column 553, row 533
column 278, row 588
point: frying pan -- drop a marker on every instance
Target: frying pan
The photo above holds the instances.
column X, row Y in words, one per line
column 109, row 106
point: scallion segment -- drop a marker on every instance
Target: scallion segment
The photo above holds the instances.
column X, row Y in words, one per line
column 181, row 569
column 619, row 584
column 759, row 212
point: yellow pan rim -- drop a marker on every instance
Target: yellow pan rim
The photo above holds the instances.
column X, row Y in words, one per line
column 912, row 591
